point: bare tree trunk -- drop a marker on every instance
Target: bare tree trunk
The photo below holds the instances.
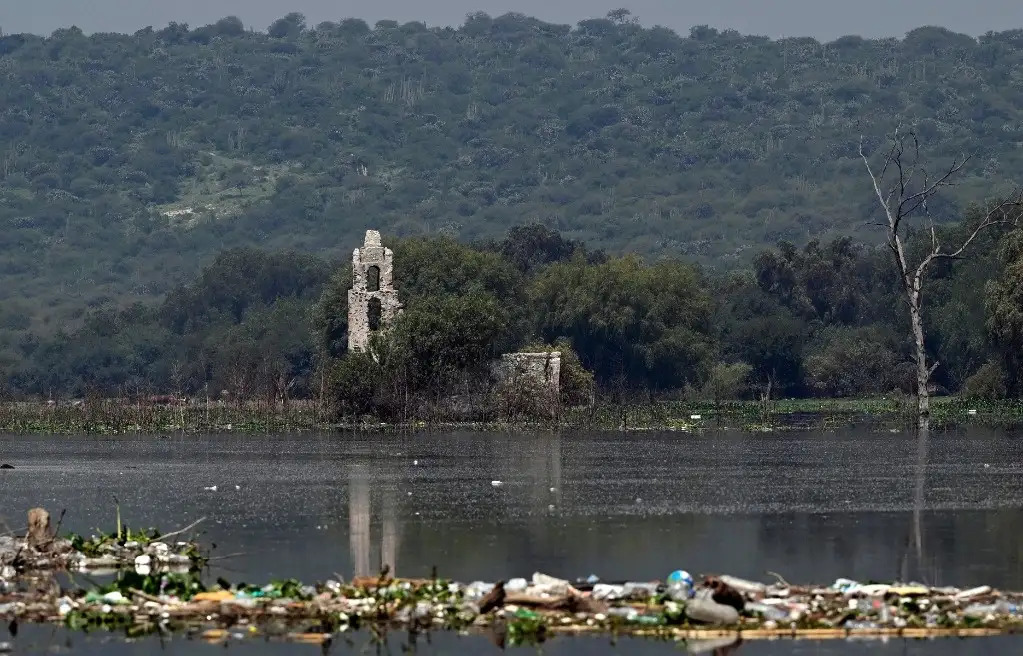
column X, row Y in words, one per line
column 923, row 372
column 903, row 198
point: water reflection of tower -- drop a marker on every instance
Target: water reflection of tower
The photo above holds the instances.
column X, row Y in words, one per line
column 543, row 464
column 536, row 461
column 360, row 525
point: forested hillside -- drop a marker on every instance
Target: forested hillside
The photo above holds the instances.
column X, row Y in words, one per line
column 128, row 161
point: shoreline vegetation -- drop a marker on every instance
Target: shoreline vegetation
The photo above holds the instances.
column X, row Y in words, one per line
column 121, row 417
column 259, row 342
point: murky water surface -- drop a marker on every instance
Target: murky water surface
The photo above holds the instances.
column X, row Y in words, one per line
column 810, row 506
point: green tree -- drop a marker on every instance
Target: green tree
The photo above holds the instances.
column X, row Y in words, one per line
column 1004, row 304
column 727, row 381
column 849, row 362
column 644, row 323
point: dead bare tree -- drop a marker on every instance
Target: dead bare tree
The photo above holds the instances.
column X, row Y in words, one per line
column 903, row 187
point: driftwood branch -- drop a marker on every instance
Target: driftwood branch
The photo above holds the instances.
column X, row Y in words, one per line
column 146, row 596
column 182, row 530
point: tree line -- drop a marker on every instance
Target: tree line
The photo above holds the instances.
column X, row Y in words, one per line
column 827, row 319
column 127, row 161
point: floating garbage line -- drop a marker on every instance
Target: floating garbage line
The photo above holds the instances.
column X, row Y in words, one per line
column 158, row 588
column 716, row 608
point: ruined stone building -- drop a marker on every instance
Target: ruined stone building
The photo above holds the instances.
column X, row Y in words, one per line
column 372, row 300
column 543, row 367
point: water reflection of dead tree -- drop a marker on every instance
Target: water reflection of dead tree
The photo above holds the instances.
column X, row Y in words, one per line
column 915, row 541
column 390, row 539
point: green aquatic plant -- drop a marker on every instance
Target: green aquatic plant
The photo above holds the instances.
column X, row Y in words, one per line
column 99, row 543
column 282, row 589
column 182, row 586
column 526, row 628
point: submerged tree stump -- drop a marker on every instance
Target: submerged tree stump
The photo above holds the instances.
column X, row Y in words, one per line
column 40, row 534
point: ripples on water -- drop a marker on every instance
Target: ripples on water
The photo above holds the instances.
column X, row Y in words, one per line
column 812, row 506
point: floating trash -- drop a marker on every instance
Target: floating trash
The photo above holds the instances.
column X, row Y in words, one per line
column 528, row 609
column 124, row 549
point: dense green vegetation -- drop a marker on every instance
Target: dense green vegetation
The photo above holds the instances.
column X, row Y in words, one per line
column 824, row 320
column 177, row 206
column 128, row 161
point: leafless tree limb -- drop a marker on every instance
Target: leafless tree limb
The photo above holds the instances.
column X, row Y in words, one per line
column 902, row 199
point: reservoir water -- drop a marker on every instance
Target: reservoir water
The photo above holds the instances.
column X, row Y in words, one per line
column 811, row 506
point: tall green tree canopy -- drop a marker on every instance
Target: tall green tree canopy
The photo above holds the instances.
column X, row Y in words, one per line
column 640, row 323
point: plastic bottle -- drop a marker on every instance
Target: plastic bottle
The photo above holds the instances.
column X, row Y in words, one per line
column 981, row 610
column 768, row 611
column 625, row 613
column 707, row 611
column 608, row 591
column 640, row 590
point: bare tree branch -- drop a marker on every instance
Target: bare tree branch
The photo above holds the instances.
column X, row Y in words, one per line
column 903, row 199
column 997, row 216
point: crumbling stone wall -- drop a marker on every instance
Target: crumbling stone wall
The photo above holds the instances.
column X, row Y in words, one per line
column 543, row 367
column 372, row 283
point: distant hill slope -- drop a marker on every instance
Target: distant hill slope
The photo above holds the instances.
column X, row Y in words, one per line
column 127, row 160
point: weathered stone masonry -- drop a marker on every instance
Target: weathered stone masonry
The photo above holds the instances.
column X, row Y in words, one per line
column 541, row 367
column 372, row 301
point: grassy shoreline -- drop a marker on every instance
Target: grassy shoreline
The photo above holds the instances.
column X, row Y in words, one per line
column 107, row 417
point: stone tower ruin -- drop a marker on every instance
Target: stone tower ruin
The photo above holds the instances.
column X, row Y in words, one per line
column 372, row 300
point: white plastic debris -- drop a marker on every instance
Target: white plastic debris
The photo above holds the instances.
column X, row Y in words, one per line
column 545, row 584
column 743, row 585
column 846, row 586
column 211, row 488
column 143, row 565
column 974, row 592
column 516, row 585
column 497, row 483
column 874, row 589
column 608, row 591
